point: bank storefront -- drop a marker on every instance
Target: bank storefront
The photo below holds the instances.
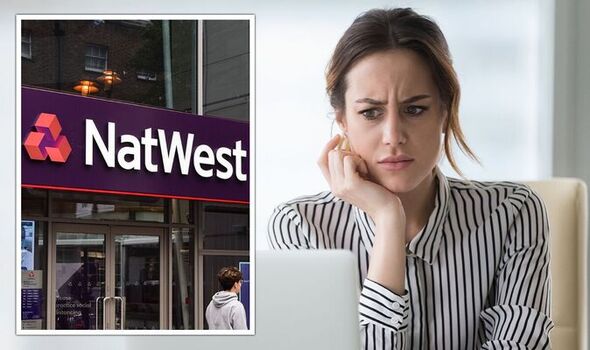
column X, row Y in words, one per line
column 132, row 196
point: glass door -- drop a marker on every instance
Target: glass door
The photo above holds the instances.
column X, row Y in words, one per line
column 108, row 277
column 138, row 277
column 79, row 276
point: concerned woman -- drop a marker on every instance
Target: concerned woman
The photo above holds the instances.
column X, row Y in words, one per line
column 443, row 263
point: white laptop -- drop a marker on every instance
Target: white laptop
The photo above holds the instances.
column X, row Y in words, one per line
column 304, row 300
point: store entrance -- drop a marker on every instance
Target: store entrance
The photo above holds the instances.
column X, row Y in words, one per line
column 107, row 277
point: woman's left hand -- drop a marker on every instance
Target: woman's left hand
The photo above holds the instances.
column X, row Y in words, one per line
column 347, row 174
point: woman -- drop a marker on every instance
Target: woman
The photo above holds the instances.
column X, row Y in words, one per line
column 443, row 263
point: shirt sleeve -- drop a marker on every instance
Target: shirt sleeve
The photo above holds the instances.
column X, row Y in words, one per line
column 239, row 317
column 383, row 308
column 381, row 311
column 284, row 230
column 519, row 317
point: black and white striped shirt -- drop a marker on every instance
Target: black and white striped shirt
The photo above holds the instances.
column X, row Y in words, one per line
column 477, row 275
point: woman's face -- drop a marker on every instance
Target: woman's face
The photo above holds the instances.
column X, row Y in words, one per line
column 393, row 112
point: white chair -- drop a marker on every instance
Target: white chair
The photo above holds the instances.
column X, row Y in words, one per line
column 567, row 207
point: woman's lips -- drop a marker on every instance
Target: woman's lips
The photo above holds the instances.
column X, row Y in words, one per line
column 399, row 165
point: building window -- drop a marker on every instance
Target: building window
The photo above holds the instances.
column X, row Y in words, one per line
column 84, row 206
column 226, row 227
column 96, row 58
column 26, row 50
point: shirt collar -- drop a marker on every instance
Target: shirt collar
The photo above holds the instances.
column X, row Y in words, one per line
column 426, row 243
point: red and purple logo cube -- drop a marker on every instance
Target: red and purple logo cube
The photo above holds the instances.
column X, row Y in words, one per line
column 47, row 141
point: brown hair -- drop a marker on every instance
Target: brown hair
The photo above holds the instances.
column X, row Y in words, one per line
column 381, row 30
column 228, row 276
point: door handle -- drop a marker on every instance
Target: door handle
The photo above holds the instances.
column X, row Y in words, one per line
column 96, row 313
column 104, row 309
column 123, row 307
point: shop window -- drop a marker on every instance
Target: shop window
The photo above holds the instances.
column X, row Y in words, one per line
column 226, row 227
column 26, row 45
column 182, row 211
column 85, row 206
column 183, row 292
column 80, row 279
column 96, row 58
column 137, row 278
column 33, row 202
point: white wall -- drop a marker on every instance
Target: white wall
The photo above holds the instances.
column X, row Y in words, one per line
column 572, row 90
column 571, row 124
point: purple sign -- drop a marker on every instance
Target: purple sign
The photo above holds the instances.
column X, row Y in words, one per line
column 79, row 143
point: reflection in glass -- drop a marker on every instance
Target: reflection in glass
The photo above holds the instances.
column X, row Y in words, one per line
column 155, row 60
column 84, row 49
column 80, row 280
column 137, row 280
column 183, row 316
column 107, row 207
column 226, row 227
column 33, row 202
column 181, row 211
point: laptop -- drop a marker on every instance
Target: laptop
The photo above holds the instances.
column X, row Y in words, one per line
column 304, row 300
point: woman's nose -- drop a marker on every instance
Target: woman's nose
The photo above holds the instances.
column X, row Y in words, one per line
column 393, row 129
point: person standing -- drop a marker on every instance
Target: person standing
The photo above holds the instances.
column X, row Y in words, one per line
column 225, row 311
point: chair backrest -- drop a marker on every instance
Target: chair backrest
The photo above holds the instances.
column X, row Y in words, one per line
column 567, row 205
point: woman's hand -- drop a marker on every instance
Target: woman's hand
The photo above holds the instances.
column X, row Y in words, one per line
column 348, row 177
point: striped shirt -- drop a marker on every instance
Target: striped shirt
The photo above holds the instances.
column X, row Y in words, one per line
column 477, row 274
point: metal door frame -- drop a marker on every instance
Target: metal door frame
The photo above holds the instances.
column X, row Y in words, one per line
column 143, row 231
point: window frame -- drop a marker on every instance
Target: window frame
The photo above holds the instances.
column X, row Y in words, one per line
column 105, row 58
column 26, row 35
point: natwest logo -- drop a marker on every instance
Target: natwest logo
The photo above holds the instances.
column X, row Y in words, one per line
column 132, row 152
column 47, row 141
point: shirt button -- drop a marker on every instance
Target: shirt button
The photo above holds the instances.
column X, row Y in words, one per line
column 396, row 305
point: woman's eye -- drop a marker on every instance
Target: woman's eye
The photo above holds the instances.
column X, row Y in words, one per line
column 370, row 113
column 415, row 110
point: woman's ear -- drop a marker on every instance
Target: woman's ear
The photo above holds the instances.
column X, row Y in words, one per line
column 341, row 120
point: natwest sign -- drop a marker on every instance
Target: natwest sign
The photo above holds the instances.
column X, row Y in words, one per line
column 129, row 149
column 206, row 162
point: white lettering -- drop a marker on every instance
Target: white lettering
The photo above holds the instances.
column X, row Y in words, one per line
column 198, row 160
column 128, row 156
column 225, row 163
column 184, row 154
column 134, row 151
column 93, row 136
column 148, row 142
column 239, row 154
